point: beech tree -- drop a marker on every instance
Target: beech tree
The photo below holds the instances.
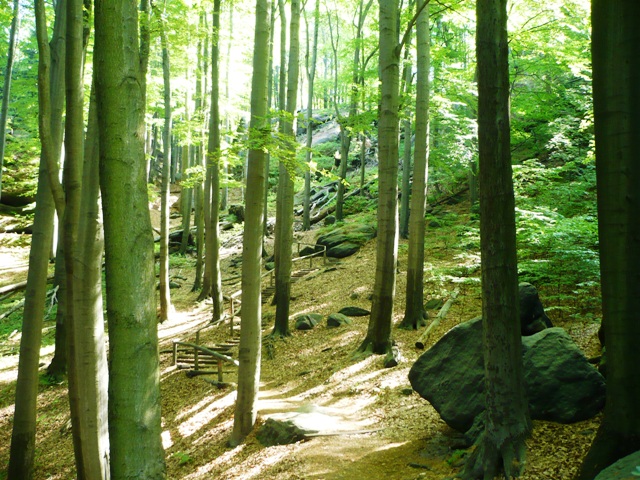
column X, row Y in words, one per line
column 501, row 447
column 378, row 339
column 616, row 97
column 165, row 295
column 286, row 168
column 121, row 57
column 310, row 58
column 50, row 99
column 6, row 90
column 250, row 331
column 213, row 281
column 414, row 314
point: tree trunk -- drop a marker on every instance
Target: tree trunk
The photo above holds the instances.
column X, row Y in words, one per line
column 501, row 447
column 414, row 313
column 6, row 91
column 22, row 452
column 213, row 167
column 311, row 75
column 616, row 96
column 250, row 332
column 57, row 48
column 134, row 381
column 165, row 295
column 90, row 342
column 378, row 339
column 406, row 158
column 284, row 221
column 199, row 189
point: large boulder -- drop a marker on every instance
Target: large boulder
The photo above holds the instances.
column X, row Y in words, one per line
column 626, row 468
column 532, row 316
column 346, row 240
column 561, row 385
column 450, row 375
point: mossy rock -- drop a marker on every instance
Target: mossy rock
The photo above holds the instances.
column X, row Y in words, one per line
column 307, row 321
column 354, row 312
column 338, row 320
column 346, row 240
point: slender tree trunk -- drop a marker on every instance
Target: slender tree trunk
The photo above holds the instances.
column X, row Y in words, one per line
column 406, row 158
column 501, row 447
column 224, row 200
column 186, row 198
column 378, row 339
column 282, row 105
column 616, row 96
column 414, row 313
column 6, row 91
column 90, row 342
column 87, row 462
column 213, row 167
column 250, row 332
column 57, row 47
column 165, row 295
column 22, row 452
column 284, row 221
column 311, row 75
column 199, row 188
column 270, row 96
column 134, row 381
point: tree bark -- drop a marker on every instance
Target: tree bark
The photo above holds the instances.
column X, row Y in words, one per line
column 89, row 337
column 501, row 447
column 405, row 194
column 213, row 168
column 165, row 293
column 284, row 219
column 414, row 313
column 250, row 332
column 378, row 339
column 616, row 96
column 22, row 451
column 6, row 91
column 311, row 75
column 134, row 381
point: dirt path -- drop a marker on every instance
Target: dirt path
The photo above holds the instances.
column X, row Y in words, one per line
column 312, row 373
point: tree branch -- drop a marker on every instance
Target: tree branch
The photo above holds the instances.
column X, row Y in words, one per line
column 412, row 22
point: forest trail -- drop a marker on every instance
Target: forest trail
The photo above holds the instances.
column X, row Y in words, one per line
column 311, row 372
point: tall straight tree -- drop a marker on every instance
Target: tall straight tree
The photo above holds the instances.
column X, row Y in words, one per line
column 165, row 295
column 250, row 331
column 134, row 381
column 616, row 100
column 50, row 100
column 214, row 278
column 501, row 447
column 414, row 313
column 311, row 58
column 6, row 90
column 378, row 339
column 284, row 219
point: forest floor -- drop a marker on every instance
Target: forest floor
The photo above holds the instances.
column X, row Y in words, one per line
column 311, row 371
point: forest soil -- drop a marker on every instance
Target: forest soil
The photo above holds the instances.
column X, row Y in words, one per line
column 309, row 372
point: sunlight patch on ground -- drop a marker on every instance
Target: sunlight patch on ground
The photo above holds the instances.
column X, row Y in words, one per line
column 9, row 363
column 180, row 322
column 206, row 415
column 167, row 442
column 265, row 459
column 213, row 433
column 226, row 457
